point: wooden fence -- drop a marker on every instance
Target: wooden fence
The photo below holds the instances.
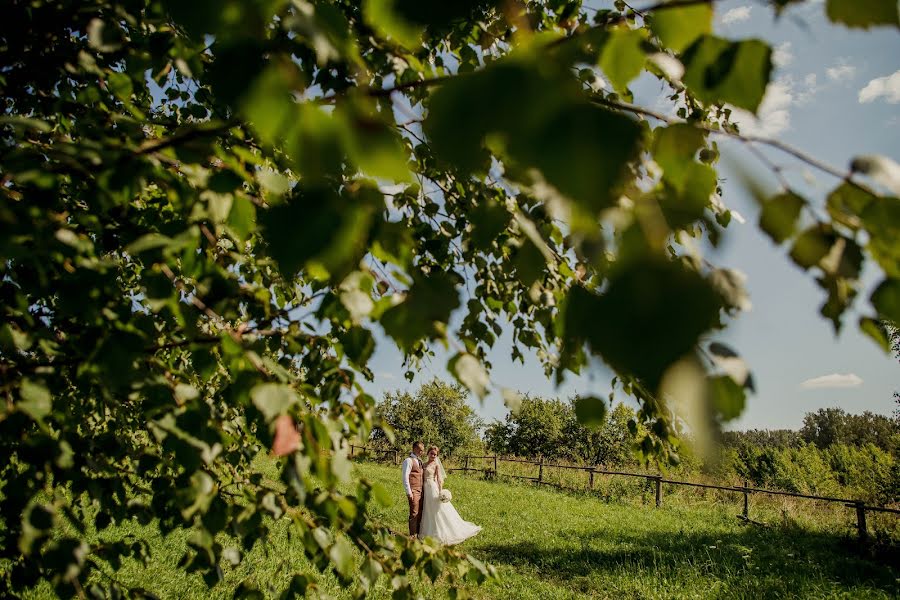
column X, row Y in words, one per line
column 658, row 481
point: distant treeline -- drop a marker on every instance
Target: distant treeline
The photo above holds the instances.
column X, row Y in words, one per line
column 825, row 428
column 834, row 453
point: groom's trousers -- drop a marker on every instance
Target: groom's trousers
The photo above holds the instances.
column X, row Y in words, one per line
column 415, row 511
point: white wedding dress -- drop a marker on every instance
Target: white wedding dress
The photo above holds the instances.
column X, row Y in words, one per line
column 439, row 519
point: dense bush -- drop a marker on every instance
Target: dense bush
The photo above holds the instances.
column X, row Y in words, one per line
column 867, row 472
column 436, row 414
column 549, row 428
column 835, row 454
column 830, row 426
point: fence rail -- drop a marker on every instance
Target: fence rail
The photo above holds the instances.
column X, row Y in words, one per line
column 860, row 507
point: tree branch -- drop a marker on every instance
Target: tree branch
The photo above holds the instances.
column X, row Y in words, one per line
column 185, row 135
column 744, row 139
column 612, row 20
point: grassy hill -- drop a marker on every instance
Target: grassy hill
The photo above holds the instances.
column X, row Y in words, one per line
column 547, row 545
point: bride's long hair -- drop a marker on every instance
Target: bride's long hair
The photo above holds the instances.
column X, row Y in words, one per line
column 437, row 459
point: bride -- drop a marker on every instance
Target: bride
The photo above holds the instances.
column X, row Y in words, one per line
column 439, row 519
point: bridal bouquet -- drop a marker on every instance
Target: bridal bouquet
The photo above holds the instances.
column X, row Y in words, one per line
column 445, row 496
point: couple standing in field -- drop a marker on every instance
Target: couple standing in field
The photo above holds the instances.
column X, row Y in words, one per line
column 430, row 511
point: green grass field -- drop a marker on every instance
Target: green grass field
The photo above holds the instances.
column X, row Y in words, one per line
column 547, row 544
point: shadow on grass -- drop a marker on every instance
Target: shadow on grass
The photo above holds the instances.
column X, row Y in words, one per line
column 751, row 563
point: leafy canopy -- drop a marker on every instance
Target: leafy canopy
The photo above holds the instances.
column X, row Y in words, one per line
column 208, row 207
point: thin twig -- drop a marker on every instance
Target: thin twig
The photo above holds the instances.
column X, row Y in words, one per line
column 155, row 145
column 776, row 169
column 744, row 139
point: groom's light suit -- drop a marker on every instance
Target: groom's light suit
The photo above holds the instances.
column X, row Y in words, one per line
column 413, row 480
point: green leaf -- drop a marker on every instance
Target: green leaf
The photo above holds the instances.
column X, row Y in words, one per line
column 434, row 567
column 35, row 401
column 268, row 104
column 13, row 339
column 358, row 344
column 314, row 143
column 298, row 586
column 459, row 118
column 383, row 17
column 341, row 555
column 315, row 225
column 863, row 13
column 425, row 311
column 847, row 202
column 718, row 70
column 886, row 300
column 580, row 149
column 881, row 220
column 242, row 218
column 623, row 58
column 590, row 411
column 812, row 246
column 381, row 495
column 674, row 149
column 530, row 263
column 844, row 259
column 727, row 397
column 185, row 393
column 512, row 400
column 197, row 18
column 273, row 399
column 732, row 364
column 731, row 286
column 120, row 85
column 583, row 151
column 875, row 329
column 652, row 314
column 489, row 219
column 150, row 241
column 779, row 216
column 26, row 123
column 373, row 146
column 469, row 371
column 684, row 202
column 677, row 28
column 370, row 571
column 355, row 295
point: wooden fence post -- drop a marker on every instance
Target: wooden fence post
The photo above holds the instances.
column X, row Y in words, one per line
column 746, row 503
column 658, row 480
column 466, row 466
column 541, row 470
column 396, row 461
column 591, row 480
column 351, row 451
column 495, row 465
column 861, row 520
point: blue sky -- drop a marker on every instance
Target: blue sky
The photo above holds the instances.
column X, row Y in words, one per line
column 832, row 95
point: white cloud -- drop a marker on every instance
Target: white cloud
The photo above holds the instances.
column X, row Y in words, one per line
column 808, row 89
column 736, row 15
column 834, row 380
column 842, row 71
column 773, row 116
column 887, row 87
column 783, row 56
column 392, row 189
column 385, row 375
column 669, row 65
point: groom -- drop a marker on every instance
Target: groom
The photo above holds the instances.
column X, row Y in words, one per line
column 412, row 483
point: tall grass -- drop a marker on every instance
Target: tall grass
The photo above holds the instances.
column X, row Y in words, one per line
column 639, row 491
column 549, row 545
